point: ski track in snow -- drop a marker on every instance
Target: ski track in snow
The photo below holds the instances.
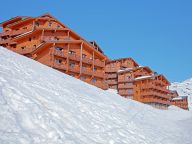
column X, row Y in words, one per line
column 41, row 105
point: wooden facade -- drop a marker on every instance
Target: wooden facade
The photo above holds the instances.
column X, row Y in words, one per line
column 50, row 42
column 113, row 66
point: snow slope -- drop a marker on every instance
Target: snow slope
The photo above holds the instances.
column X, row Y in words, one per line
column 41, row 105
column 184, row 89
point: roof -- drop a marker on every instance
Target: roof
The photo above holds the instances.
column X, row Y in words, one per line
column 121, row 59
column 136, row 68
column 152, row 77
column 15, row 19
column 180, row 98
column 96, row 46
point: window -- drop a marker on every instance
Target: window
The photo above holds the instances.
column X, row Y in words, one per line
column 58, row 26
column 84, row 55
column 36, row 23
column 34, row 46
column 50, row 24
column 25, row 28
column 95, row 69
column 94, row 80
column 72, row 65
column 72, row 52
column 23, row 47
column 30, row 39
column 59, row 48
column 58, row 61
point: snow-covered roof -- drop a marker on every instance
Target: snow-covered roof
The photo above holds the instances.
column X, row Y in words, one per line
column 144, row 77
column 180, row 98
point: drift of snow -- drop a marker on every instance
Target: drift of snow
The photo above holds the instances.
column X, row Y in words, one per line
column 41, row 105
column 184, row 89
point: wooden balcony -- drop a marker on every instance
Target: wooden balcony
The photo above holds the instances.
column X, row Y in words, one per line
column 64, row 39
column 74, row 69
column 150, row 86
column 112, row 82
column 60, row 66
column 101, row 85
column 5, row 41
column 125, row 93
column 99, row 74
column 14, row 32
column 153, row 93
column 87, row 61
column 126, row 86
column 155, row 100
column 99, row 63
column 25, row 50
column 111, row 76
column 74, row 57
column 59, row 53
column 125, row 80
column 111, row 70
column 87, row 72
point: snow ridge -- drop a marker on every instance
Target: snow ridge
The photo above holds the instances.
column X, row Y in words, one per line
column 41, row 105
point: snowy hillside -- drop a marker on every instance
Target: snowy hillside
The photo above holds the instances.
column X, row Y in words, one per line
column 184, row 89
column 41, row 105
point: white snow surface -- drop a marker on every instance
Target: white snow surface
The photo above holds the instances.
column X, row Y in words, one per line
column 184, row 89
column 39, row 105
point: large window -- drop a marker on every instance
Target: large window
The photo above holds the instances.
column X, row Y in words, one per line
column 58, row 61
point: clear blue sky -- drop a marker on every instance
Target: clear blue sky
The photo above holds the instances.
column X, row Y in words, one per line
column 156, row 33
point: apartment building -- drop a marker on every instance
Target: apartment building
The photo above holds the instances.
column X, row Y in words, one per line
column 50, row 42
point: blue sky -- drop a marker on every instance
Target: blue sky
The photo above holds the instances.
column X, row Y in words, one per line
column 156, row 33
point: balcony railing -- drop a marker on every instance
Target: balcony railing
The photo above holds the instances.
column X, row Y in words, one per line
column 153, row 93
column 112, row 82
column 155, row 100
column 25, row 50
column 110, row 70
column 127, row 86
column 98, row 74
column 60, row 66
column 126, row 93
column 74, row 69
column 87, row 61
column 125, row 80
column 77, row 58
column 156, row 88
column 99, row 63
column 87, row 72
column 14, row 32
column 108, row 76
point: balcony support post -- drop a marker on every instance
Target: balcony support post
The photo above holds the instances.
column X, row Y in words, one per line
column 81, row 53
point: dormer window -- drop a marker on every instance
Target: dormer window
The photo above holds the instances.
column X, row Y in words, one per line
column 50, row 24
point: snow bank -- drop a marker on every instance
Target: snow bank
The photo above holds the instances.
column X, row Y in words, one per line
column 184, row 89
column 41, row 105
